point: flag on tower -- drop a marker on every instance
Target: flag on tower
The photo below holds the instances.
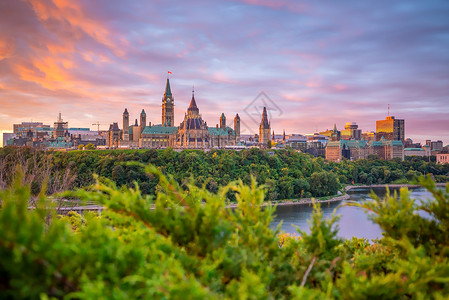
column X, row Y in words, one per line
column 169, row 72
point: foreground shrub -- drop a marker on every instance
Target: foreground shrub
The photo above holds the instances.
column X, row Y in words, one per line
column 185, row 243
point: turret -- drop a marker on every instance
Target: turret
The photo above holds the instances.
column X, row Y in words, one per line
column 223, row 122
column 237, row 128
column 193, row 109
column 125, row 136
column 143, row 120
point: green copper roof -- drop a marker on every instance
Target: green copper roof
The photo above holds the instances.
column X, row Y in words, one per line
column 167, row 90
column 79, row 128
column 333, row 144
column 386, row 142
column 159, row 130
column 413, row 149
column 348, row 143
column 219, row 131
column 396, row 143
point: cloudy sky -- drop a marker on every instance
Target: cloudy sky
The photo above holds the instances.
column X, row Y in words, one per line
column 317, row 62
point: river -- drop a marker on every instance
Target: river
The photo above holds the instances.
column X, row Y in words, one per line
column 353, row 221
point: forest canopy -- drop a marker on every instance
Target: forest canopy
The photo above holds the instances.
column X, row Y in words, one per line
column 287, row 174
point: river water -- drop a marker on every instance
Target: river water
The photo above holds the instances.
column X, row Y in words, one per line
column 353, row 221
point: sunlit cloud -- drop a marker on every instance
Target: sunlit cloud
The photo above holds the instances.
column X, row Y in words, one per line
column 322, row 63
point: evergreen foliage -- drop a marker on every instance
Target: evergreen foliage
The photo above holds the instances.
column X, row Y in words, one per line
column 185, row 243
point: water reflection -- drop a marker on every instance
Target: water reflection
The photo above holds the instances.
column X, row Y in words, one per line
column 353, row 221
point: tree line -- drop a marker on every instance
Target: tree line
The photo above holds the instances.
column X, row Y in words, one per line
column 286, row 174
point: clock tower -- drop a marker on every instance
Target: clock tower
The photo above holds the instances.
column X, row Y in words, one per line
column 168, row 110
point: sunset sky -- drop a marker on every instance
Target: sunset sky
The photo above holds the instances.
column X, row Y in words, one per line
column 320, row 62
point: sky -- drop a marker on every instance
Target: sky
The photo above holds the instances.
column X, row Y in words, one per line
column 313, row 63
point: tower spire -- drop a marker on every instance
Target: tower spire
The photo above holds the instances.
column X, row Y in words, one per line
column 193, row 105
column 264, row 121
column 167, row 89
column 168, row 110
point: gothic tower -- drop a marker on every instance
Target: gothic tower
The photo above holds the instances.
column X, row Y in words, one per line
column 168, row 111
column 264, row 128
column 136, row 132
column 125, row 136
column 143, row 120
column 223, row 122
column 335, row 136
column 193, row 131
column 237, row 128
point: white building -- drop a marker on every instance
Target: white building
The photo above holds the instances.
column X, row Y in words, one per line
column 443, row 158
column 414, row 152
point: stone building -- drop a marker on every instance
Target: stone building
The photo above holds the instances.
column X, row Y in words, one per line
column 264, row 128
column 414, row 152
column 125, row 136
column 385, row 149
column 158, row 137
column 335, row 135
column 237, row 128
column 114, row 136
column 192, row 133
column 443, row 158
column 168, row 110
column 349, row 149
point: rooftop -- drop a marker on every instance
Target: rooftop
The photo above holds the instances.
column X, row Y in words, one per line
column 159, row 130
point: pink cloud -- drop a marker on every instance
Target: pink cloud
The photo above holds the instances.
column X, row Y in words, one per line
column 94, row 58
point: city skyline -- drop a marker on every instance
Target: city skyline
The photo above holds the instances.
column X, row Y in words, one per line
column 320, row 63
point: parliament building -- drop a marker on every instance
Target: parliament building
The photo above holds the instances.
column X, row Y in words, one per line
column 192, row 133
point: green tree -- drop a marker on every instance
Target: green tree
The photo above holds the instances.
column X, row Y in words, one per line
column 90, row 146
column 187, row 243
column 324, row 184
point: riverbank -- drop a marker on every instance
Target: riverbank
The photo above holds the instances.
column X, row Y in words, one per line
column 302, row 201
column 392, row 186
column 336, row 198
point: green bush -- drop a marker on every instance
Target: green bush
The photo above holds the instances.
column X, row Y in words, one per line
column 185, row 243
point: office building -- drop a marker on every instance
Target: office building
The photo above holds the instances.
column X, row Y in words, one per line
column 391, row 129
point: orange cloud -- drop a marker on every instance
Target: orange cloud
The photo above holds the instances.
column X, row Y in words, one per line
column 74, row 14
column 46, row 72
column 6, row 48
